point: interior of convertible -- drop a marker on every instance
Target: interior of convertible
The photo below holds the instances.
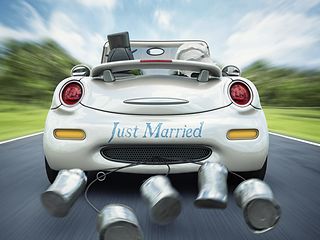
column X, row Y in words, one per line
column 120, row 48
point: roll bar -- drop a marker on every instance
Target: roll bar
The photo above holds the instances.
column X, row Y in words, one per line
column 107, row 69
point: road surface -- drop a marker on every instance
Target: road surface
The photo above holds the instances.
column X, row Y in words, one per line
column 293, row 174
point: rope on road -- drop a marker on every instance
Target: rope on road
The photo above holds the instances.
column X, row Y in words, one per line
column 101, row 176
column 237, row 175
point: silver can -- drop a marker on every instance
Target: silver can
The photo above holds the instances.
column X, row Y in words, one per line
column 64, row 191
column 117, row 221
column 261, row 211
column 213, row 189
column 163, row 200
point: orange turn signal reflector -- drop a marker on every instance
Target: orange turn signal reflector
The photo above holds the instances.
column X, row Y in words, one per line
column 242, row 134
column 69, row 134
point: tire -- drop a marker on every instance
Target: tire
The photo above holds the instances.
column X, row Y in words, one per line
column 51, row 173
column 259, row 174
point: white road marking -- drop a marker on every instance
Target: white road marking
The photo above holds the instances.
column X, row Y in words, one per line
column 276, row 134
column 19, row 138
column 295, row 139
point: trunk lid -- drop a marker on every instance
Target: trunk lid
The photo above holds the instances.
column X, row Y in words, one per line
column 156, row 95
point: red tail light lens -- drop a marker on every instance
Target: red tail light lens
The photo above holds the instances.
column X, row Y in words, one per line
column 71, row 93
column 240, row 93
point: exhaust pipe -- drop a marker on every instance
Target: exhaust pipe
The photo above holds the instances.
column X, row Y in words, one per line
column 213, row 191
column 163, row 200
column 63, row 192
column 261, row 211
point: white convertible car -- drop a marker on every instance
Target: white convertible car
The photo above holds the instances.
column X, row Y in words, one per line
column 155, row 104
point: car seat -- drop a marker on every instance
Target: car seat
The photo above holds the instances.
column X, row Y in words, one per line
column 193, row 52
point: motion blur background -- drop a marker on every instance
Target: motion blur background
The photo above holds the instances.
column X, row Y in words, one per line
column 276, row 43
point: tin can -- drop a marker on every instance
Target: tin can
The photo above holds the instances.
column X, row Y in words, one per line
column 64, row 191
column 261, row 211
column 213, row 189
column 163, row 200
column 117, row 221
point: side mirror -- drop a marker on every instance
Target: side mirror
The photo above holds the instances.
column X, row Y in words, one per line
column 80, row 71
column 231, row 70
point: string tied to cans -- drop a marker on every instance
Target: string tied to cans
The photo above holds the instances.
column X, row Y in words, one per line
column 101, row 176
column 260, row 210
column 115, row 221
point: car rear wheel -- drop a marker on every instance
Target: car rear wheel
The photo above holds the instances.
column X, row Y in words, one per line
column 51, row 173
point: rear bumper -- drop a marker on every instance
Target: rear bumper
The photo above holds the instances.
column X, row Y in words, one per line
column 207, row 129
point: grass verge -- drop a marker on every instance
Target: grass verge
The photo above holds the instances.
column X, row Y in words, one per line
column 20, row 119
column 303, row 123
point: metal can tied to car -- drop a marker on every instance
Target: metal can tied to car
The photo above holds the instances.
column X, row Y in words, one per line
column 63, row 192
column 261, row 211
column 117, row 221
column 213, row 190
column 163, row 200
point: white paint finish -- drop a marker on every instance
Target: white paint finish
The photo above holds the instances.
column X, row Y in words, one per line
column 240, row 155
column 202, row 97
column 110, row 96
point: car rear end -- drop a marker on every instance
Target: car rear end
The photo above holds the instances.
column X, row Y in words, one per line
column 152, row 121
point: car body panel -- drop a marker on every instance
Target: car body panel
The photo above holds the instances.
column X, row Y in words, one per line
column 149, row 109
column 114, row 96
column 237, row 155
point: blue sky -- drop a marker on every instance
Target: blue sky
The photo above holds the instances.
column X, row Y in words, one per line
column 284, row 32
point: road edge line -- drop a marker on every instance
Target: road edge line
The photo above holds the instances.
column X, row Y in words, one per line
column 19, row 138
column 295, row 139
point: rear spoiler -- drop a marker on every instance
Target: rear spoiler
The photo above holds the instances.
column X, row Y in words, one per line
column 205, row 70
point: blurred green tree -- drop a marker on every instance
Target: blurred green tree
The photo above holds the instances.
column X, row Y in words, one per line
column 30, row 71
column 284, row 86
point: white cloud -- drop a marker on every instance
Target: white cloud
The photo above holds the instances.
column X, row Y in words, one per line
column 293, row 5
column 164, row 19
column 36, row 26
column 278, row 37
column 6, row 32
column 63, row 30
column 110, row 4
column 85, row 46
column 33, row 18
column 280, row 33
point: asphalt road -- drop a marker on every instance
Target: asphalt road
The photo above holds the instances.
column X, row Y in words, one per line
column 293, row 174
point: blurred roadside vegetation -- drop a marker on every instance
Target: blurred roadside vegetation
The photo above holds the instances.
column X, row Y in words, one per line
column 29, row 73
column 302, row 123
column 284, row 86
column 19, row 119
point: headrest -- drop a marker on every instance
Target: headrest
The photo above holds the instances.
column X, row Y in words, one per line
column 119, row 40
column 193, row 52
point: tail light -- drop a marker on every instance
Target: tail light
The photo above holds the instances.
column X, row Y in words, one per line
column 240, row 93
column 71, row 93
